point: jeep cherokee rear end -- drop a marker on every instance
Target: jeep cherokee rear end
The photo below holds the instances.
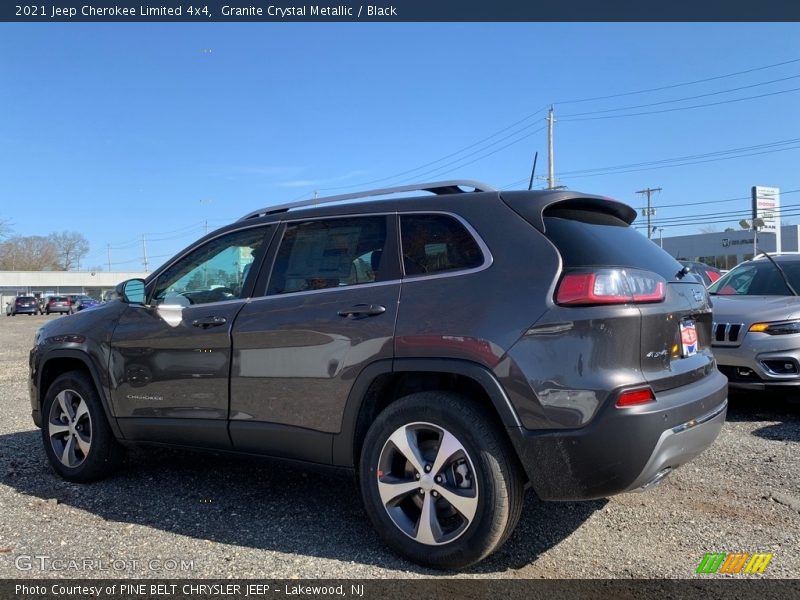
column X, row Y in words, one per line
column 448, row 348
column 620, row 361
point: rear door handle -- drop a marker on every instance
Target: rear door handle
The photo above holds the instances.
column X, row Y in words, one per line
column 209, row 322
column 359, row 311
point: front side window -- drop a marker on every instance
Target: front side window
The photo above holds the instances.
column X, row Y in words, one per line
column 437, row 243
column 329, row 253
column 215, row 272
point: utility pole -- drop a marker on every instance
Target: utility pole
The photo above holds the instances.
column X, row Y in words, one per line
column 144, row 252
column 649, row 211
column 551, row 176
column 206, row 226
column 108, row 247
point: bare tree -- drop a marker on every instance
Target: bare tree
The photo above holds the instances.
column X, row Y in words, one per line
column 71, row 248
column 29, row 253
column 5, row 228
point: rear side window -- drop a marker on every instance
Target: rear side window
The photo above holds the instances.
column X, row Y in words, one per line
column 437, row 243
column 329, row 253
column 606, row 241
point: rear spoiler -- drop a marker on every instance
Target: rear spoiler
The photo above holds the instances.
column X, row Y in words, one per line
column 532, row 206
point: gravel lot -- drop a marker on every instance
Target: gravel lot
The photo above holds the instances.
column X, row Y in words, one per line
column 244, row 518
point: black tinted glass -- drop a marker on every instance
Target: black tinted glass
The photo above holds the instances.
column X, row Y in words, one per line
column 329, row 253
column 609, row 244
column 436, row 243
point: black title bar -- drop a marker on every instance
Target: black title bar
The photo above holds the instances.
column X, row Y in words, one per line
column 401, row 11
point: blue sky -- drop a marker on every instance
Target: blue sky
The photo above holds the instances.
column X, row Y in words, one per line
column 119, row 130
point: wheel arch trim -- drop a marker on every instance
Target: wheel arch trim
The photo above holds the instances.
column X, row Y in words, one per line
column 83, row 357
column 344, row 442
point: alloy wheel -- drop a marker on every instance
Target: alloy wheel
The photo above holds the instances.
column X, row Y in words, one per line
column 427, row 483
column 69, row 427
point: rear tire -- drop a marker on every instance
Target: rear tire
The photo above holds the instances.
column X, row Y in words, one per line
column 77, row 438
column 439, row 480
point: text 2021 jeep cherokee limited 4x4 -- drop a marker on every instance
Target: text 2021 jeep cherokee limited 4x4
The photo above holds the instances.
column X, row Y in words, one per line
column 449, row 347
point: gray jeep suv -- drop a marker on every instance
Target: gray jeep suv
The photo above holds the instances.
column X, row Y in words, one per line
column 449, row 347
column 755, row 336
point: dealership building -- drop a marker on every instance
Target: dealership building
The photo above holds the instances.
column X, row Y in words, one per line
column 53, row 283
column 727, row 249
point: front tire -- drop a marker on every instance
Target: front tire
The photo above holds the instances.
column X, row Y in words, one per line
column 439, row 480
column 77, row 438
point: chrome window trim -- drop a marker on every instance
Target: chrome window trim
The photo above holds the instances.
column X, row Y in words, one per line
column 488, row 259
column 330, row 289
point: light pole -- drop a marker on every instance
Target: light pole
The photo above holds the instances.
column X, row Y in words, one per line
column 753, row 225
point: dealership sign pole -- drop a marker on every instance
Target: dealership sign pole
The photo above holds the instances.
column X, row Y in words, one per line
column 766, row 206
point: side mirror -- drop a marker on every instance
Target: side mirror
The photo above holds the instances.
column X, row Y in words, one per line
column 132, row 291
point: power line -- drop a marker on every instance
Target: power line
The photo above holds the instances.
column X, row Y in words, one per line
column 542, row 109
column 686, row 83
column 727, row 217
column 666, row 110
column 452, row 154
column 684, row 158
column 684, row 99
column 682, row 164
column 783, row 193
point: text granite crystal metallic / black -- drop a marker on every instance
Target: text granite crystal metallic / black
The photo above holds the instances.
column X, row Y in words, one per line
column 451, row 348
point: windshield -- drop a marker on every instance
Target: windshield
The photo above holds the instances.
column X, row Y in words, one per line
column 759, row 278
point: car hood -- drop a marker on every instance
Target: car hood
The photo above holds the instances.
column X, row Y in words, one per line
column 96, row 324
column 752, row 309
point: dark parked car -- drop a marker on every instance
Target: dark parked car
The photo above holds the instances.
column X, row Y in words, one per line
column 58, row 304
column 83, row 302
column 756, row 332
column 450, row 348
column 706, row 273
column 24, row 305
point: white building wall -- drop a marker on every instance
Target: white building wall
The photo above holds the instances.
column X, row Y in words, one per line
column 728, row 248
column 44, row 283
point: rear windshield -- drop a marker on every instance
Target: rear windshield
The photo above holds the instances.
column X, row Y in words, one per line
column 58, row 299
column 600, row 240
column 26, row 299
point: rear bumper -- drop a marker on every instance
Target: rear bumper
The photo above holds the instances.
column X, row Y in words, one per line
column 26, row 310
column 626, row 449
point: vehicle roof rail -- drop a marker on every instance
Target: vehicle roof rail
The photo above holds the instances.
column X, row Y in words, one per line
column 440, row 187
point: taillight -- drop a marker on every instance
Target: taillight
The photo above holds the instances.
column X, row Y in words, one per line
column 610, row 286
column 634, row 397
column 713, row 276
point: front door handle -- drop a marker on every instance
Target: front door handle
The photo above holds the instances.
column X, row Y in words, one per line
column 359, row 311
column 209, row 322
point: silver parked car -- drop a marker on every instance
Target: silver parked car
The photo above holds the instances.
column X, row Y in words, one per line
column 756, row 329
